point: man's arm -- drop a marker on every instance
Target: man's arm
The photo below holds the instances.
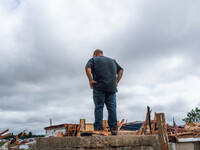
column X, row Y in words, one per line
column 119, row 75
column 89, row 75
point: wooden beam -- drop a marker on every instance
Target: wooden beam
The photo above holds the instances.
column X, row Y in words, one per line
column 82, row 123
column 4, row 132
column 4, row 136
column 149, row 118
column 154, row 124
column 105, row 124
column 121, row 123
column 144, row 126
column 162, row 131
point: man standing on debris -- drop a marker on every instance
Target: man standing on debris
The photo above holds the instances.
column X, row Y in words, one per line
column 104, row 75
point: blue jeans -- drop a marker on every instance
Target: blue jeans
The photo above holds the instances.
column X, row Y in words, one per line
column 109, row 98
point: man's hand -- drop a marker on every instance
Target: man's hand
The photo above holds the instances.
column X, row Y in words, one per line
column 119, row 76
column 92, row 82
column 89, row 75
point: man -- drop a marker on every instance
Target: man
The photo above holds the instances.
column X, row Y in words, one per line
column 104, row 75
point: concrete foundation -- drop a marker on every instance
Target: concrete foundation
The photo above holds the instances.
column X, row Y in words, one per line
column 125, row 142
column 131, row 142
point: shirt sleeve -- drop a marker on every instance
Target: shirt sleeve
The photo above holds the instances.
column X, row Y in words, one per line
column 118, row 67
column 90, row 63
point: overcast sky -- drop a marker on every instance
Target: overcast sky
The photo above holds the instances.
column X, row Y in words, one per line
column 45, row 44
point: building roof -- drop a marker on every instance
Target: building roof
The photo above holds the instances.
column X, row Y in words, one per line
column 55, row 126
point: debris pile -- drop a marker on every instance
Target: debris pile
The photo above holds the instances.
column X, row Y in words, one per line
column 14, row 142
column 189, row 130
column 157, row 126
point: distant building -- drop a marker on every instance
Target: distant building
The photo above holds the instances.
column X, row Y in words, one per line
column 53, row 130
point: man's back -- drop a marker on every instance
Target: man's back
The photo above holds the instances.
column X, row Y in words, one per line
column 104, row 71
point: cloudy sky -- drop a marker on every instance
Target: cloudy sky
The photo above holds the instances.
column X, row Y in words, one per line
column 45, row 44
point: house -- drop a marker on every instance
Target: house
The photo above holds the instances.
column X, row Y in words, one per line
column 53, row 130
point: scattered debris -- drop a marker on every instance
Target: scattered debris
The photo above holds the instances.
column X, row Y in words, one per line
column 166, row 133
column 190, row 130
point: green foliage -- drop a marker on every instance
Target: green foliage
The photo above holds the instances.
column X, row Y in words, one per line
column 193, row 115
column 30, row 134
column 1, row 144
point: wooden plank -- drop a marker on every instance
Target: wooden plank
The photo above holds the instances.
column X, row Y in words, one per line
column 74, row 130
column 89, row 127
column 165, row 132
column 140, row 131
column 143, row 128
column 131, row 123
column 162, row 131
column 4, row 136
column 69, row 130
column 68, row 127
column 105, row 124
column 78, row 128
column 154, row 124
column 82, row 123
column 149, row 118
column 121, row 123
column 4, row 132
column 145, row 124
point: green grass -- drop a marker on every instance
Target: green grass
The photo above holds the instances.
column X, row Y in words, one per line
column 1, row 144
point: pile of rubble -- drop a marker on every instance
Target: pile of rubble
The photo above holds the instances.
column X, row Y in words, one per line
column 191, row 131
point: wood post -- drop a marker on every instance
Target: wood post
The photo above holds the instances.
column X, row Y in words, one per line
column 149, row 118
column 82, row 123
column 162, row 131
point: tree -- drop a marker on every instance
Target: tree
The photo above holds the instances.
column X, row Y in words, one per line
column 30, row 134
column 193, row 115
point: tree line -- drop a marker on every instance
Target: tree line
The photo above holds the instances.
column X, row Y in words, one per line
column 25, row 136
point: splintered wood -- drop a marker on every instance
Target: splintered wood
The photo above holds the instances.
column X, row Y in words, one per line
column 146, row 126
column 162, row 131
column 83, row 129
column 166, row 132
column 190, row 130
column 121, row 123
column 5, row 135
column 105, row 129
column 157, row 125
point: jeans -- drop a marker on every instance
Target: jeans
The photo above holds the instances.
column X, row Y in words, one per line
column 109, row 98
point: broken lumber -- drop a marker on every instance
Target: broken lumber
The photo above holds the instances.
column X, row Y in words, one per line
column 4, row 132
column 121, row 123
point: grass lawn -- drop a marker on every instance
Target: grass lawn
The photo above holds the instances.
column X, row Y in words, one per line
column 1, row 144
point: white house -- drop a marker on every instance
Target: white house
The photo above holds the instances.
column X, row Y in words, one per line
column 53, row 130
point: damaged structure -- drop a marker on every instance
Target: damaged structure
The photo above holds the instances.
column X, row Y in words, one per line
column 166, row 136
